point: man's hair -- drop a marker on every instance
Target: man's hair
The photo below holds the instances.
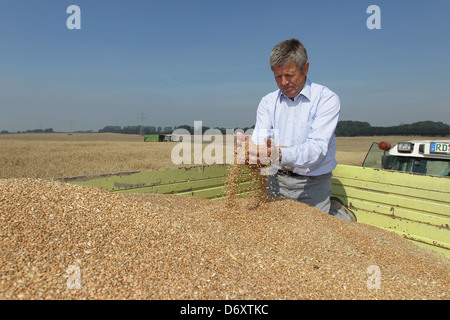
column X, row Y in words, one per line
column 287, row 51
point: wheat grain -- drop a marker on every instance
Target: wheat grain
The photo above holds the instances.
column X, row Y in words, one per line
column 152, row 246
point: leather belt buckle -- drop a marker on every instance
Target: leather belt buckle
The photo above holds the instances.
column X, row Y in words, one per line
column 288, row 173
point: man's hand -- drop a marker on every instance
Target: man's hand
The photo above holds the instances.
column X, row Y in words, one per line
column 240, row 140
column 256, row 155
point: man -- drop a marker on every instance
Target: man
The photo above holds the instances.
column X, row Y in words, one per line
column 296, row 125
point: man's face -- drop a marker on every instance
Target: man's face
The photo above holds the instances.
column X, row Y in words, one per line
column 290, row 78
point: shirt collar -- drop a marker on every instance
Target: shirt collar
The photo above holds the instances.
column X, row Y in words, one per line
column 306, row 92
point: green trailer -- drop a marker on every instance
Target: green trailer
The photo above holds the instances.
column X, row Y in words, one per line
column 414, row 206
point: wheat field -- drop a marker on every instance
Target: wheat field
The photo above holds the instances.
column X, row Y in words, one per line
column 50, row 155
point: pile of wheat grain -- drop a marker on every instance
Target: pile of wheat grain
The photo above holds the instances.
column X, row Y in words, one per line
column 62, row 241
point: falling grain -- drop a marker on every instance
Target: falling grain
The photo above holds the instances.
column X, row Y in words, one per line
column 256, row 184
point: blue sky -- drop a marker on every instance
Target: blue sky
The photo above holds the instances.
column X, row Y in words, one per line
column 177, row 62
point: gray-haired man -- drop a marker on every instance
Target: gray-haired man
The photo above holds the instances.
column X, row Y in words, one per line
column 301, row 116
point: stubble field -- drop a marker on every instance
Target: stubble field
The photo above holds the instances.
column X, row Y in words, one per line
column 63, row 155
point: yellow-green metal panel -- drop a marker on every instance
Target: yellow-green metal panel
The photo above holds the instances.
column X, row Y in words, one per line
column 393, row 178
column 393, row 204
column 218, row 192
column 202, row 181
column 418, row 193
column 180, row 179
column 208, row 193
column 176, row 187
column 412, row 230
column 415, row 206
column 444, row 251
column 372, row 206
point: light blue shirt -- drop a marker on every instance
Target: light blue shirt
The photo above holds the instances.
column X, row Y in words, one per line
column 305, row 126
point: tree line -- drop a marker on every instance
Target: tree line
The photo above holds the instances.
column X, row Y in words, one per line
column 137, row 129
column 48, row 130
column 421, row 128
column 160, row 130
column 343, row 129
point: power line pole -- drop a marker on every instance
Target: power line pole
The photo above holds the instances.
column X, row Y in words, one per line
column 142, row 124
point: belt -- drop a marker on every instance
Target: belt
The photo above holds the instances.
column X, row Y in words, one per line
column 289, row 173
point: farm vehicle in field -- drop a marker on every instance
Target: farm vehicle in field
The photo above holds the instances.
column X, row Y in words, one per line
column 404, row 189
column 161, row 138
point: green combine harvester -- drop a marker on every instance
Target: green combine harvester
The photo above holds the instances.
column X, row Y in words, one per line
column 161, row 138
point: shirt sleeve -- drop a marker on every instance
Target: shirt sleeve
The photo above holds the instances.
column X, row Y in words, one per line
column 315, row 148
column 263, row 126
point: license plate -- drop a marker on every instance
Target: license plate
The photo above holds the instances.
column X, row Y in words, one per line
column 438, row 147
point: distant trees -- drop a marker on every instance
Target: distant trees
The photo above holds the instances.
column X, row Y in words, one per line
column 343, row 129
column 158, row 130
column 137, row 129
column 353, row 129
column 422, row 128
column 49, row 130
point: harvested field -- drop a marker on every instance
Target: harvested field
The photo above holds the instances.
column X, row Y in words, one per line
column 51, row 155
column 61, row 241
column 62, row 155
